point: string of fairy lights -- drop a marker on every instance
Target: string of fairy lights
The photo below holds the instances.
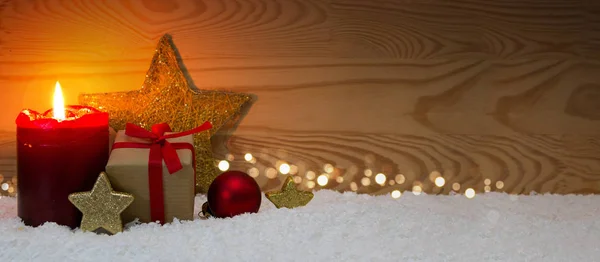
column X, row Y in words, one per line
column 311, row 179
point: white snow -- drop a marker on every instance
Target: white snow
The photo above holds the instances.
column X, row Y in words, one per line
column 338, row 227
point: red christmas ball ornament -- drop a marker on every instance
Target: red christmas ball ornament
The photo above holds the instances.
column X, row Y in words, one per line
column 232, row 193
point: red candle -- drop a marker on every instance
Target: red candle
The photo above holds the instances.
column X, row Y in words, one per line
column 58, row 152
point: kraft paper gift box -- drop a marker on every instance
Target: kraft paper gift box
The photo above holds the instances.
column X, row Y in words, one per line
column 128, row 168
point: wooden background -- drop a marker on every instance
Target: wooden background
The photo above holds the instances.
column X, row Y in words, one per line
column 503, row 94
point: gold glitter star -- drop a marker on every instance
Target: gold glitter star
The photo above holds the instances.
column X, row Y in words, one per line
column 102, row 206
column 289, row 196
column 167, row 96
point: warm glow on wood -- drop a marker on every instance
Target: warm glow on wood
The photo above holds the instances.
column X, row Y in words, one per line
column 59, row 103
column 330, row 98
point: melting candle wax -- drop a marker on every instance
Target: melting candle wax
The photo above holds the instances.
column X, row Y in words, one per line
column 59, row 152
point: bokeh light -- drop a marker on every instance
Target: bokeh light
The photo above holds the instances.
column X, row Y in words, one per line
column 400, row 179
column 353, row 186
column 470, row 193
column 328, row 168
column 433, row 175
column 322, row 180
column 284, row 168
column 253, row 172
column 223, row 165
column 499, row 184
column 271, row 173
column 417, row 190
column 440, row 181
column 380, row 179
column 456, row 186
column 365, row 181
column 310, row 175
column 293, row 169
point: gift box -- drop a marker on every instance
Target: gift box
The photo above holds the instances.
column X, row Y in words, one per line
column 142, row 165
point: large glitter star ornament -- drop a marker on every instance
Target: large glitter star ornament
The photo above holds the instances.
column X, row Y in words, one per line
column 289, row 196
column 101, row 207
column 166, row 96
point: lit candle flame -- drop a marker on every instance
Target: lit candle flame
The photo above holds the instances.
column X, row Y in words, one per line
column 59, row 103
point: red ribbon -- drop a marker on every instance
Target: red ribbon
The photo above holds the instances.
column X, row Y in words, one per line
column 160, row 149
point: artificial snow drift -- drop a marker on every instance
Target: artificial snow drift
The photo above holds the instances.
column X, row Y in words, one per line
column 338, row 227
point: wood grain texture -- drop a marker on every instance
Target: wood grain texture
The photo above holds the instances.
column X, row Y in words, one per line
column 523, row 163
column 532, row 29
column 536, row 163
column 374, row 96
column 98, row 31
column 420, row 29
column 504, row 90
column 592, row 32
column 460, row 29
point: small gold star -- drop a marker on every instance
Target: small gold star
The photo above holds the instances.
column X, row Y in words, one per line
column 167, row 95
column 289, row 196
column 102, row 206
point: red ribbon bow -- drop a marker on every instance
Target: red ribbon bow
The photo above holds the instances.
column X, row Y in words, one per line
column 160, row 149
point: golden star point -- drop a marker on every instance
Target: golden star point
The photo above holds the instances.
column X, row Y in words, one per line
column 101, row 207
column 167, row 96
column 289, row 196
